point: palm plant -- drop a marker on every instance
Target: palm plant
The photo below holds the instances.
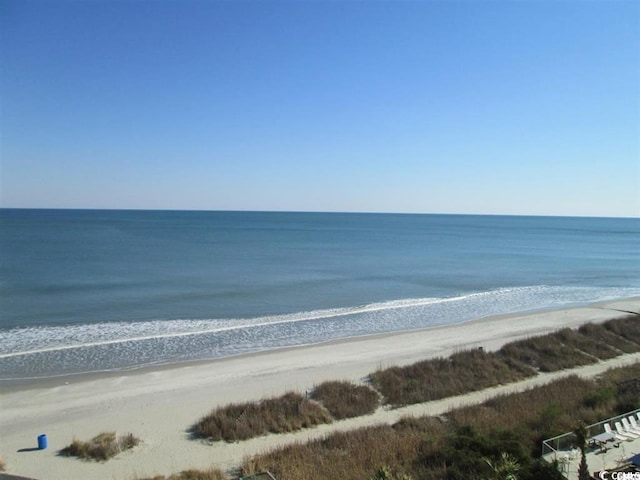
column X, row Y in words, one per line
column 505, row 468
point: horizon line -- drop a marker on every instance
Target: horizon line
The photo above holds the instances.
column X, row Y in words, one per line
column 338, row 212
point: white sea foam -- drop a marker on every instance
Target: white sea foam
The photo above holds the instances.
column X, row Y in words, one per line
column 104, row 346
column 23, row 341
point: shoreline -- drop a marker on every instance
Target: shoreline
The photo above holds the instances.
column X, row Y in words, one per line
column 160, row 404
column 11, row 384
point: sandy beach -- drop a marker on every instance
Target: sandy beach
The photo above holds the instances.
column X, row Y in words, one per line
column 159, row 405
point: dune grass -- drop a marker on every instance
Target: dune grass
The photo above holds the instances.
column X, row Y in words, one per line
column 627, row 327
column 474, row 370
column 568, row 348
column 444, row 377
column 102, row 447
column 242, row 421
column 345, row 399
column 212, row 474
column 547, row 353
column 452, row 446
column 600, row 333
column 587, row 344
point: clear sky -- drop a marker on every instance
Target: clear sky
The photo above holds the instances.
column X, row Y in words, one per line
column 502, row 107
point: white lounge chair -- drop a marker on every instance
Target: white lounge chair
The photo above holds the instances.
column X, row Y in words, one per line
column 621, row 431
column 617, row 436
column 633, row 423
column 626, row 424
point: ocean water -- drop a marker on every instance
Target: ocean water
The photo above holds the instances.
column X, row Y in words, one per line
column 85, row 291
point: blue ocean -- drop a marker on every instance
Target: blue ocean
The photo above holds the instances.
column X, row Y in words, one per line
column 96, row 290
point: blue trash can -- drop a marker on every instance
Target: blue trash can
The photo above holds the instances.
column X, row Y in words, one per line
column 42, row 441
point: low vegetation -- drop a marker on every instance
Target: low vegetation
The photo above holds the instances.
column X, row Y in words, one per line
column 346, row 400
column 212, row 474
column 241, row 421
column 627, row 328
column 445, row 377
column 586, row 344
column 424, row 381
column 547, row 353
column 3, row 465
column 474, row 370
column 471, row 442
column 569, row 348
column 101, row 447
column 604, row 335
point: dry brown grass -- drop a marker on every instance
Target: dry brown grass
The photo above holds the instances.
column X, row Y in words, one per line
column 474, row 370
column 101, row 447
column 569, row 348
column 212, row 474
column 626, row 327
column 586, row 343
column 445, row 377
column 451, row 447
column 3, row 465
column 541, row 412
column 604, row 335
column 555, row 408
column 547, row 353
column 350, row 455
column 242, row 421
column 345, row 399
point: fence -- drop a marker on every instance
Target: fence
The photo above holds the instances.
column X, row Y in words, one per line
column 567, row 442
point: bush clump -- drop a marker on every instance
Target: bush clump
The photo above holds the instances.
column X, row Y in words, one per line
column 101, row 447
column 242, row 421
column 345, row 399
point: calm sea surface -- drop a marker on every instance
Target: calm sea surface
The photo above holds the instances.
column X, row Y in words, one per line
column 84, row 291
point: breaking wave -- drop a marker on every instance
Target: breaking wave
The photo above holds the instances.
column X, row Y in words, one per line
column 32, row 352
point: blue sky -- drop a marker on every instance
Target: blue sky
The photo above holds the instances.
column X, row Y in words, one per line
column 501, row 107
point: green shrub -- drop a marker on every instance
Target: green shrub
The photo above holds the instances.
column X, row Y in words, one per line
column 599, row 397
